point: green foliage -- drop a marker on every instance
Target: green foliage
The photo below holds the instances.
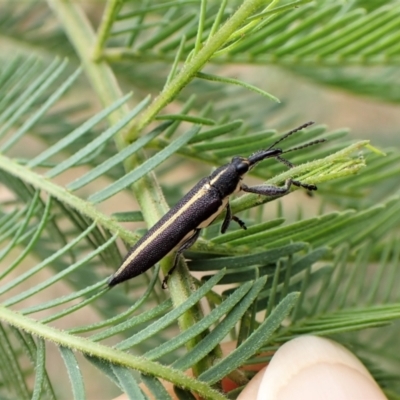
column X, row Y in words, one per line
column 65, row 161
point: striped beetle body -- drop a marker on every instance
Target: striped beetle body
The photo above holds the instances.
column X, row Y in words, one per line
column 180, row 227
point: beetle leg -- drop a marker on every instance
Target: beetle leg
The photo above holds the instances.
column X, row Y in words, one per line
column 269, row 190
column 229, row 217
column 305, row 185
column 183, row 247
column 239, row 222
column 296, row 183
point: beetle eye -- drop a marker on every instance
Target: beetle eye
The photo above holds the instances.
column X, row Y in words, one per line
column 241, row 165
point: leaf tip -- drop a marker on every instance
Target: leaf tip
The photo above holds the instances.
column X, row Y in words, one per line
column 375, row 150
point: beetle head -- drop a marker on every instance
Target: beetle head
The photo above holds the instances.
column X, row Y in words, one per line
column 241, row 165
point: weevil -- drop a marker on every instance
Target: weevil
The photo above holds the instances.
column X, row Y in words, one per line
column 180, row 227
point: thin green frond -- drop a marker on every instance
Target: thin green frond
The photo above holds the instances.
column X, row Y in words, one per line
column 144, row 169
column 253, row 342
column 232, row 81
column 156, row 388
column 40, row 371
column 128, row 382
column 74, row 373
column 218, row 312
column 222, row 330
column 112, row 355
column 74, row 136
column 12, row 368
column 172, row 315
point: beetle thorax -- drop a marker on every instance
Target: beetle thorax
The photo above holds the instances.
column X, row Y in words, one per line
column 226, row 180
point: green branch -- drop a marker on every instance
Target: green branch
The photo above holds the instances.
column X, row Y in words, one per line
column 196, row 63
column 111, row 355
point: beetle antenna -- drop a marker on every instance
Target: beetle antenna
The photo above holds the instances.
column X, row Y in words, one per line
column 285, row 162
column 286, row 135
column 305, row 145
column 271, row 151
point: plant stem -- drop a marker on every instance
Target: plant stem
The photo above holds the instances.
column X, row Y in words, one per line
column 190, row 69
column 147, row 189
column 61, row 338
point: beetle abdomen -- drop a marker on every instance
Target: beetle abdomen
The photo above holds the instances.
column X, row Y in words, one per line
column 173, row 229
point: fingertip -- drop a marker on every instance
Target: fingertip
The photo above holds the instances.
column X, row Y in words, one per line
column 313, row 368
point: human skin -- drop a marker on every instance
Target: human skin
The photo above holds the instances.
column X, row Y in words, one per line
column 307, row 368
column 313, row 368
